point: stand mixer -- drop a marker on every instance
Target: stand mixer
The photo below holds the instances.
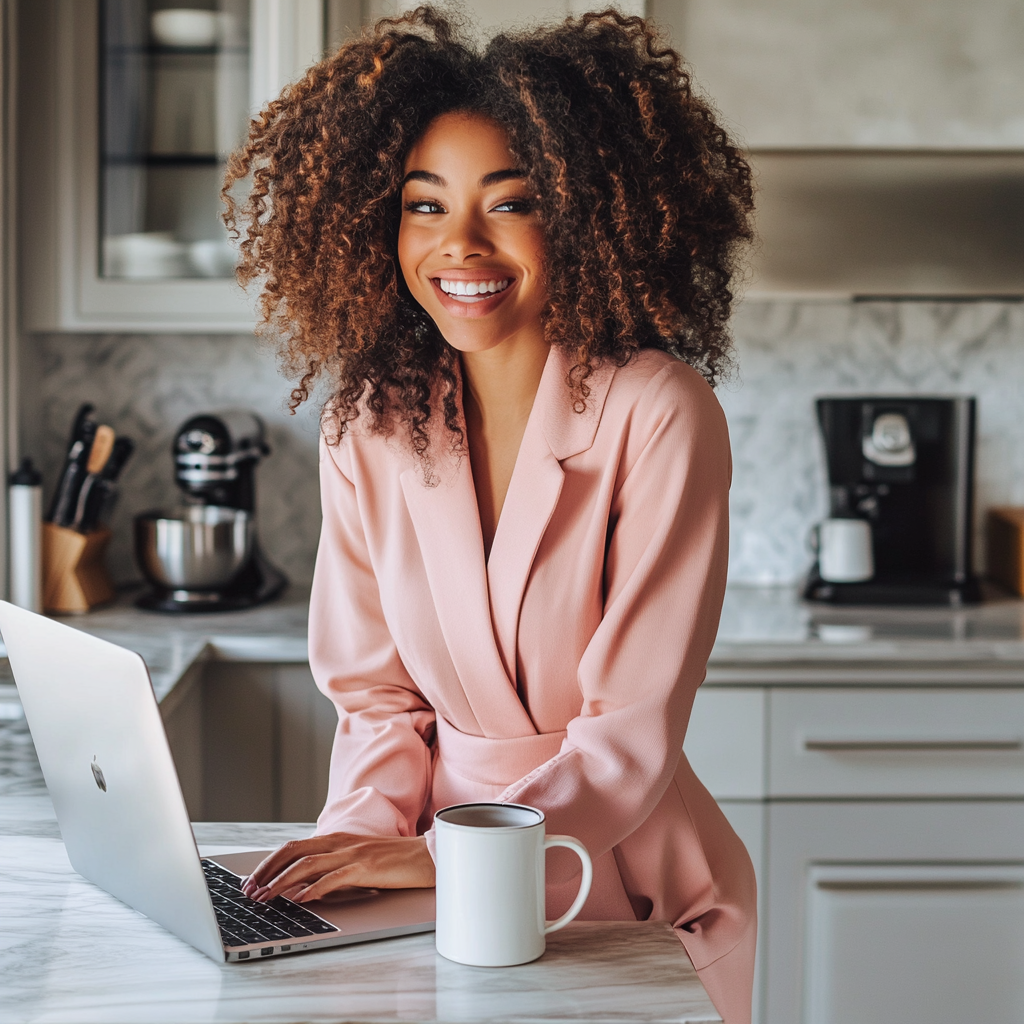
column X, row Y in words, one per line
column 205, row 556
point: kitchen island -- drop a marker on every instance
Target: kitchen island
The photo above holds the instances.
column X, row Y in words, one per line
column 871, row 759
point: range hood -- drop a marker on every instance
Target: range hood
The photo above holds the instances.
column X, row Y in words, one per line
column 888, row 223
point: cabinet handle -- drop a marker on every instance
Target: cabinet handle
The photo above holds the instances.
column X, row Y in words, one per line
column 914, row 745
column 920, row 884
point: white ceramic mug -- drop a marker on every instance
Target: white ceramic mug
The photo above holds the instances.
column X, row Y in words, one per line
column 490, row 883
column 844, row 550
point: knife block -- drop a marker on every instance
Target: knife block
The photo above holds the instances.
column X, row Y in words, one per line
column 74, row 576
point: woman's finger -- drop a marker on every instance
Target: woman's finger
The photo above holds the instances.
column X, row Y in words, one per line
column 301, row 872
column 276, row 862
column 367, row 861
column 326, row 884
column 284, row 855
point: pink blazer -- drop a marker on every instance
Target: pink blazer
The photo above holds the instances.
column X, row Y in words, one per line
column 559, row 673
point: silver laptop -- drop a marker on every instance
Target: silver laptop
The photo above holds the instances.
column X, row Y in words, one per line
column 101, row 744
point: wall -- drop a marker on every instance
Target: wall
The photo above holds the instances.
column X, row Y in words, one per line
column 788, row 353
column 791, row 352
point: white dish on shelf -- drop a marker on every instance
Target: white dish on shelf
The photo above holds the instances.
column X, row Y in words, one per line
column 144, row 254
column 184, row 27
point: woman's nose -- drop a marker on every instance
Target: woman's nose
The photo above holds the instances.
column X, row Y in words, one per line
column 466, row 237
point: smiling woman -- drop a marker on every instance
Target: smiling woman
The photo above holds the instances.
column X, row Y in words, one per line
column 471, row 249
column 513, row 268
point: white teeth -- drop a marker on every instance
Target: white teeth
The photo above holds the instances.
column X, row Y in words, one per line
column 473, row 290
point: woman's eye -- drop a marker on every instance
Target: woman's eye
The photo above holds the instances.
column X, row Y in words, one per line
column 514, row 206
column 424, row 206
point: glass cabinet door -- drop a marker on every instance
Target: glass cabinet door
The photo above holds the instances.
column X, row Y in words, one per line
column 128, row 112
column 174, row 103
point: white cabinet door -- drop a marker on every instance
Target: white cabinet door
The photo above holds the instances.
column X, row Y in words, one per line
column 73, row 275
column 725, row 741
column 829, row 74
column 489, row 16
column 725, row 745
column 897, row 944
column 895, row 913
column 748, row 818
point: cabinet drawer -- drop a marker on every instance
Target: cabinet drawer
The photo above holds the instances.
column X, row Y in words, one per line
column 865, row 743
column 725, row 742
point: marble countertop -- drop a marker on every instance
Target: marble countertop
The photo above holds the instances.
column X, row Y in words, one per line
column 767, row 635
column 74, row 954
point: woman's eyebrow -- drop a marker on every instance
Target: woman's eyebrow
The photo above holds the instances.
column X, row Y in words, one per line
column 494, row 178
column 497, row 177
column 428, row 176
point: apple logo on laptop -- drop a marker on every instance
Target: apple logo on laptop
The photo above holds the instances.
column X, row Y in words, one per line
column 97, row 774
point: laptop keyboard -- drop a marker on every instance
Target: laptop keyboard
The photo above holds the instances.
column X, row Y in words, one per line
column 243, row 921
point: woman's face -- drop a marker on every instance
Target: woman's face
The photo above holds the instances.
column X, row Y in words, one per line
column 470, row 243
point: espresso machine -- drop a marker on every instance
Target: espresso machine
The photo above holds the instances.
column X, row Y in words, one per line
column 205, row 556
column 905, row 465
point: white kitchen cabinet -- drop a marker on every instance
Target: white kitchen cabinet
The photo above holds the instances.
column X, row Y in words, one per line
column 834, row 74
column 889, row 742
column 489, row 16
column 886, row 138
column 886, row 828
column 124, row 138
column 749, row 818
column 725, row 741
column 895, row 913
column 726, row 747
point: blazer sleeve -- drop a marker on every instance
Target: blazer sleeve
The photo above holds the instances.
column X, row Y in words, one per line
column 665, row 573
column 381, row 767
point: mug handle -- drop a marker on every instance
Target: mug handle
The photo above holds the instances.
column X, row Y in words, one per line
column 588, row 878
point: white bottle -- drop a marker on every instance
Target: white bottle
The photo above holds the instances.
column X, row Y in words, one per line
column 25, row 523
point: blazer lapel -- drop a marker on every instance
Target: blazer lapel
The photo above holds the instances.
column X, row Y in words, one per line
column 447, row 525
column 555, row 432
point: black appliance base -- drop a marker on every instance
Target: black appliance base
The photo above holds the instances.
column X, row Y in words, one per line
column 897, row 592
column 259, row 582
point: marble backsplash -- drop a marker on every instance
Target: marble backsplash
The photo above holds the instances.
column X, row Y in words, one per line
column 788, row 353
column 146, row 386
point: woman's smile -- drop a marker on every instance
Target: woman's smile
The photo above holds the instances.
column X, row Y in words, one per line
column 472, row 297
column 470, row 244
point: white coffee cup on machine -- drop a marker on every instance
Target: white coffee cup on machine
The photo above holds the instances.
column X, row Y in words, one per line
column 490, row 883
column 844, row 550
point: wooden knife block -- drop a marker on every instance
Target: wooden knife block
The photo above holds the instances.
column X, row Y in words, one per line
column 74, row 576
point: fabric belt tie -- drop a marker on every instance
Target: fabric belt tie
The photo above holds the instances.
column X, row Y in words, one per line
column 494, row 761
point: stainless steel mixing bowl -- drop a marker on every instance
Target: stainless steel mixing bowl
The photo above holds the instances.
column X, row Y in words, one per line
column 200, row 547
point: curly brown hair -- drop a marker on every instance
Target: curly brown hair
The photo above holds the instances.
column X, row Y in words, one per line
column 643, row 198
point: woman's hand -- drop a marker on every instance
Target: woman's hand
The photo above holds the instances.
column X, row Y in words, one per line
column 309, row 869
